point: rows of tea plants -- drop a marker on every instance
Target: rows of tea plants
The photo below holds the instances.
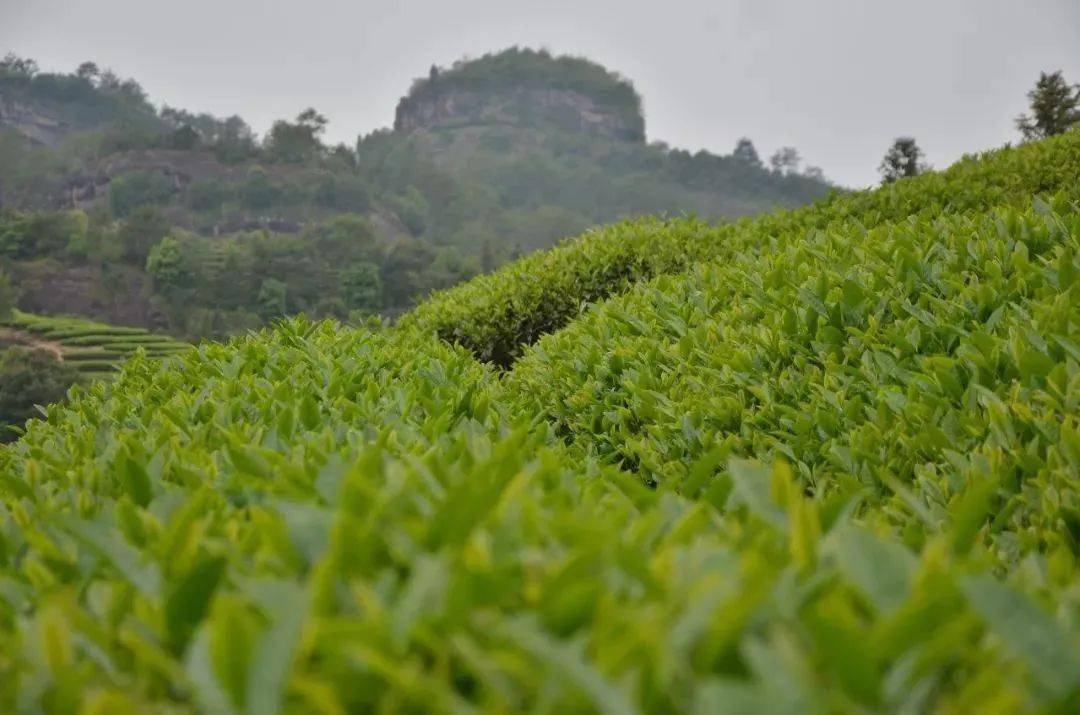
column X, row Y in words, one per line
column 319, row 519
column 95, row 349
column 901, row 364
column 496, row 315
column 835, row 471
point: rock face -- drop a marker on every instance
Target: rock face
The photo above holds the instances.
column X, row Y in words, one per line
column 31, row 121
column 567, row 110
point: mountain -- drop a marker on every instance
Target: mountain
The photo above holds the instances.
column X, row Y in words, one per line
column 522, row 88
column 488, row 159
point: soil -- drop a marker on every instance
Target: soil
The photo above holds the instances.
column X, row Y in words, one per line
column 12, row 336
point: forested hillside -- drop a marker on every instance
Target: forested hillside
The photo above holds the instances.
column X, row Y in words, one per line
column 115, row 209
column 823, row 460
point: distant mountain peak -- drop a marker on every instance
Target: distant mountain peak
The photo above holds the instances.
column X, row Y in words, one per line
column 524, row 87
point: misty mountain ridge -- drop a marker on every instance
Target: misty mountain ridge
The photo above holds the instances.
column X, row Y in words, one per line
column 488, row 159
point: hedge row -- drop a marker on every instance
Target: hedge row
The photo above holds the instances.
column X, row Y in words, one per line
column 109, row 340
column 903, row 361
column 61, row 334
column 495, row 315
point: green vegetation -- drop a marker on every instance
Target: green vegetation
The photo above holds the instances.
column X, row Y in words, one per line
column 822, row 461
column 42, row 357
column 1055, row 107
column 497, row 314
column 84, row 100
column 203, row 215
column 29, row 378
column 903, row 160
column 92, row 348
column 518, row 69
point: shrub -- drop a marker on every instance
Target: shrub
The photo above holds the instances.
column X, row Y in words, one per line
column 327, row 499
column 869, row 352
column 133, row 190
column 497, row 314
column 208, row 195
column 29, row 378
column 362, row 287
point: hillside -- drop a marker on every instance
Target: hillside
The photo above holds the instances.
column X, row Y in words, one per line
column 489, row 159
column 95, row 350
column 825, row 460
column 42, row 357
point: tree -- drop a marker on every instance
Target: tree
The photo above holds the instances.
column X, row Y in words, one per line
column 132, row 90
column 15, row 65
column 1055, row 107
column 362, row 287
column 902, row 160
column 259, row 192
column 138, row 188
column 30, row 377
column 236, row 140
column 167, row 266
column 343, row 239
column 7, row 296
column 745, row 153
column 183, row 139
column 487, row 256
column 403, row 269
column 272, row 299
column 815, row 173
column 40, row 233
column 785, row 160
column 297, row 141
column 140, row 232
column 88, row 71
column 109, row 81
column 312, row 120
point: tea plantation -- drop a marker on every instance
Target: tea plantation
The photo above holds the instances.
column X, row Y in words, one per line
column 96, row 350
column 826, row 460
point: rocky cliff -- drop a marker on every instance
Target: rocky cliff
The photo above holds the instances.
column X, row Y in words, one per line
column 32, row 121
column 567, row 110
column 525, row 88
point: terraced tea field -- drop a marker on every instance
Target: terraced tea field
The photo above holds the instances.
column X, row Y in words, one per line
column 96, row 350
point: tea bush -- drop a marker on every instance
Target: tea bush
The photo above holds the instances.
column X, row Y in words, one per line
column 900, row 362
column 330, row 520
column 497, row 314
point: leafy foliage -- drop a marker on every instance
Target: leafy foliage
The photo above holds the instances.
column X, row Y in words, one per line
column 904, row 159
column 443, row 201
column 522, row 68
column 497, row 314
column 93, row 350
column 130, row 191
column 1055, row 107
column 29, row 378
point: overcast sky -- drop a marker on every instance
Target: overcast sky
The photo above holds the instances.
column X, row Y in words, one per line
column 837, row 79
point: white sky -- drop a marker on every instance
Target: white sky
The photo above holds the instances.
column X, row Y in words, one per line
column 838, row 79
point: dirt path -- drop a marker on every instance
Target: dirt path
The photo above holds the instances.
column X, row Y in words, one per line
column 22, row 337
